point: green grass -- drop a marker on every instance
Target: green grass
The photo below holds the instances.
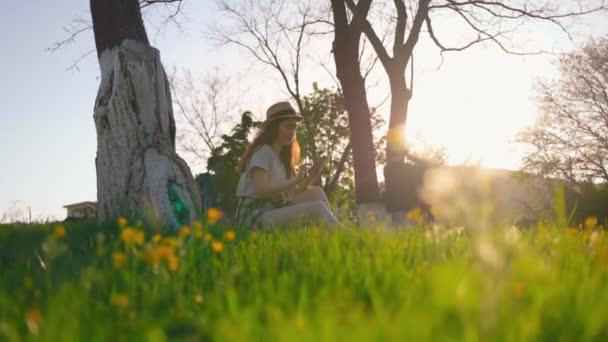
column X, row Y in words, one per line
column 306, row 284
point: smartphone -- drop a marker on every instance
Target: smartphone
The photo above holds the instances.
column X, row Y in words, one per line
column 317, row 165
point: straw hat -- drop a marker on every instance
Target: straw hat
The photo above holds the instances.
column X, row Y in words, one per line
column 281, row 110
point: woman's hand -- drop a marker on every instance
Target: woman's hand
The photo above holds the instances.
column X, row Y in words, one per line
column 302, row 175
column 264, row 187
column 307, row 175
column 315, row 170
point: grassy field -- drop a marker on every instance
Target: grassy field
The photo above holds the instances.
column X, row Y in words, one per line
column 81, row 282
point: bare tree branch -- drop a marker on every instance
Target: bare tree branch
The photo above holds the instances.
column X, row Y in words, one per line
column 145, row 3
column 400, row 26
column 367, row 28
column 204, row 109
column 81, row 25
column 570, row 140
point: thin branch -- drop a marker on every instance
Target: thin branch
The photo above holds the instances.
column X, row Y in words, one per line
column 412, row 39
column 74, row 65
column 366, row 27
column 145, row 3
column 79, row 26
column 399, row 26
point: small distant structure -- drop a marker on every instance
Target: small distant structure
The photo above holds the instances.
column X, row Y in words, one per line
column 81, row 210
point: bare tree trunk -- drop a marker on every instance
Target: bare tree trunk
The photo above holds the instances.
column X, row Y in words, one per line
column 401, row 183
column 400, row 98
column 346, row 55
column 361, row 136
column 139, row 173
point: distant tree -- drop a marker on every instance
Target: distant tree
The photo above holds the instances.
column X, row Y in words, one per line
column 478, row 22
column 570, row 140
column 16, row 213
column 204, row 107
column 139, row 174
column 274, row 33
column 330, row 129
column 223, row 163
column 278, row 34
column 348, row 32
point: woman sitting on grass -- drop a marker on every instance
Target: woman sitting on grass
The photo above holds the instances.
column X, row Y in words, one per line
column 270, row 192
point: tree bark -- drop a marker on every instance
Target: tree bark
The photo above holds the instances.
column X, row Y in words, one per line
column 400, row 97
column 401, row 179
column 115, row 21
column 348, row 69
column 139, row 174
column 346, row 56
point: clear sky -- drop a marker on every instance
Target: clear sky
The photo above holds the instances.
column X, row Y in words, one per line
column 473, row 105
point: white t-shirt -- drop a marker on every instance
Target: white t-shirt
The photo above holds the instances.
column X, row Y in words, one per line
column 265, row 158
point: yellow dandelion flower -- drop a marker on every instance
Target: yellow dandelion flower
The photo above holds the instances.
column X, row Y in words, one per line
column 127, row 235
column 132, row 236
column 156, row 238
column 217, row 246
column 118, row 259
column 214, row 215
column 199, row 299
column 28, row 282
column 140, row 237
column 60, row 231
column 172, row 262
column 120, row 300
column 164, row 251
column 208, row 237
column 122, row 222
column 150, row 257
column 590, row 222
column 33, row 318
column 184, row 231
column 169, row 241
column 198, row 229
column 229, row 235
column 414, row 214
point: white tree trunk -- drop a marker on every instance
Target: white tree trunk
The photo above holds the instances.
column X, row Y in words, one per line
column 136, row 159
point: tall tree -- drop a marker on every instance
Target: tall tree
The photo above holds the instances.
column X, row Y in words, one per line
column 329, row 119
column 570, row 141
column 277, row 34
column 480, row 21
column 346, row 49
column 138, row 171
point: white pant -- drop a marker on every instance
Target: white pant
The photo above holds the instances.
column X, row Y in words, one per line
column 310, row 205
